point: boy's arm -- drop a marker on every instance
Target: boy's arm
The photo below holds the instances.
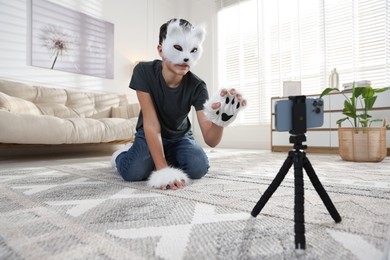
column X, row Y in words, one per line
column 212, row 133
column 164, row 176
column 152, row 130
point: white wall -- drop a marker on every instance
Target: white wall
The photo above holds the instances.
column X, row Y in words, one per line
column 136, row 37
column 137, row 25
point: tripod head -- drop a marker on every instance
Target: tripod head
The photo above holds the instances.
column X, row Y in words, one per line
column 297, row 140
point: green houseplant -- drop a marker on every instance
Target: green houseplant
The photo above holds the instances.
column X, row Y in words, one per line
column 362, row 141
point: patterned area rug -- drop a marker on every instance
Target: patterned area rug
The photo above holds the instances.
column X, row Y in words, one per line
column 86, row 211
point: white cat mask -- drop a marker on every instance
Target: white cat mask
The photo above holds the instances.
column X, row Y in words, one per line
column 183, row 45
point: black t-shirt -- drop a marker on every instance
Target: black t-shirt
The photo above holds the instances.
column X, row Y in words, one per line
column 172, row 104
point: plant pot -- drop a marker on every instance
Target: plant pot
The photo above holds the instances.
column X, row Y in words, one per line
column 362, row 144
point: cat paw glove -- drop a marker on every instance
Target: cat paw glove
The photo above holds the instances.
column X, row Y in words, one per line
column 165, row 176
column 231, row 103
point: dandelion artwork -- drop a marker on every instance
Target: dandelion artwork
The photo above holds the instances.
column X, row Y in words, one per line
column 63, row 39
column 56, row 40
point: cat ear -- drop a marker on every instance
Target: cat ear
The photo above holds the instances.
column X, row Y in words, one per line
column 199, row 32
column 174, row 29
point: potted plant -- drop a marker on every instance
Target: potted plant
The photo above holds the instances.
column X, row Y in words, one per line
column 362, row 141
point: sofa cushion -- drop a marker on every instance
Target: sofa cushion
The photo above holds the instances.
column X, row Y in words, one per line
column 122, row 128
column 82, row 104
column 108, row 100
column 57, row 110
column 88, row 130
column 18, row 105
column 102, row 114
column 43, row 129
column 41, row 115
column 126, row 111
column 33, row 129
column 18, row 89
column 50, row 95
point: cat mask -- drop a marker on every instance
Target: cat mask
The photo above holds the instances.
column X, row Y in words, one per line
column 183, row 45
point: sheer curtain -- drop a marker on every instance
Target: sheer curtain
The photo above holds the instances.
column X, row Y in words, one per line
column 262, row 43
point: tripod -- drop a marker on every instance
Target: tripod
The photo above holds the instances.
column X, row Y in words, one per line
column 299, row 159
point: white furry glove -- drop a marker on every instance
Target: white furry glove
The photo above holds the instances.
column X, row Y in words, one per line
column 231, row 103
column 166, row 176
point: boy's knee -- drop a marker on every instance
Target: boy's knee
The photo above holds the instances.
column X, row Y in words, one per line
column 129, row 176
column 132, row 170
column 134, row 175
column 197, row 174
column 196, row 169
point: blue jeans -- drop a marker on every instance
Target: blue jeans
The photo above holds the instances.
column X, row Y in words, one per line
column 184, row 153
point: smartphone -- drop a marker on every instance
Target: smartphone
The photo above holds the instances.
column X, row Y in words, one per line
column 314, row 114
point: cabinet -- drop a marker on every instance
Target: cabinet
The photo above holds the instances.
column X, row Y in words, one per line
column 324, row 139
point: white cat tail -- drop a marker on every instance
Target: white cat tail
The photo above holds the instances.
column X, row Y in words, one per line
column 165, row 176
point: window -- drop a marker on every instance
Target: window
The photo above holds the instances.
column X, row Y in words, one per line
column 262, row 43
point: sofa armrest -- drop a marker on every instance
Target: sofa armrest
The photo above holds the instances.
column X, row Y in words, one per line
column 128, row 111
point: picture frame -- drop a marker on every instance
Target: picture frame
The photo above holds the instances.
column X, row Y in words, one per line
column 67, row 40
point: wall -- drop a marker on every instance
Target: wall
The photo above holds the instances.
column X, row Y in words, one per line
column 137, row 25
column 136, row 37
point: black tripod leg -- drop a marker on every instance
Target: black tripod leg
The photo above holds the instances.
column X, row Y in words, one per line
column 273, row 186
column 320, row 190
column 299, row 218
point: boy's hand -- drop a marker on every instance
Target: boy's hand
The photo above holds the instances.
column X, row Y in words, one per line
column 168, row 178
column 223, row 108
column 174, row 185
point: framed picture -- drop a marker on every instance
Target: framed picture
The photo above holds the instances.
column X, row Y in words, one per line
column 67, row 40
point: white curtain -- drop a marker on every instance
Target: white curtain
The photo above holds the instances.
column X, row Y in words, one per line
column 262, row 43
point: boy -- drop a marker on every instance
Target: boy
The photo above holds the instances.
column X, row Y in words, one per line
column 164, row 151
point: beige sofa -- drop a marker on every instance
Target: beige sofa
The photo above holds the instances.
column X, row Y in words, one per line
column 31, row 114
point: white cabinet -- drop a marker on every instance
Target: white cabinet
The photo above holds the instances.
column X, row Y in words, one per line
column 325, row 138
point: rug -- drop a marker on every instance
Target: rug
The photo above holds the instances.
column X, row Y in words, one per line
column 86, row 211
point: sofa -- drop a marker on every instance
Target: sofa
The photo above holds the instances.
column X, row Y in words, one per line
column 32, row 114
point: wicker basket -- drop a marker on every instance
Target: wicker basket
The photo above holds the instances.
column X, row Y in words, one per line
column 362, row 144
